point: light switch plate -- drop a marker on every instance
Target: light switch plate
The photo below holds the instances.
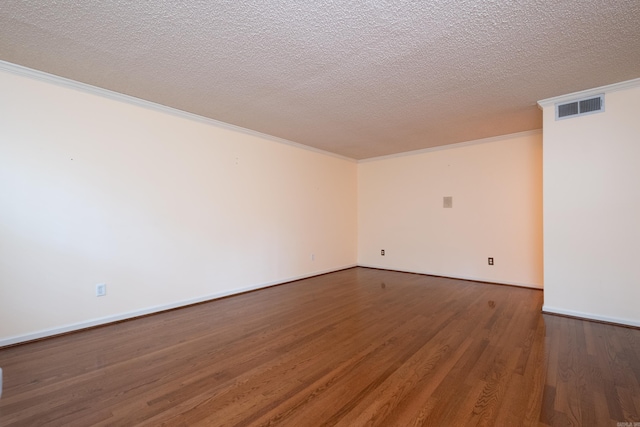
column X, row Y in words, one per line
column 101, row 289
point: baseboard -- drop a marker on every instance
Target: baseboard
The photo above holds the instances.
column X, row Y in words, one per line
column 590, row 316
column 453, row 276
column 47, row 333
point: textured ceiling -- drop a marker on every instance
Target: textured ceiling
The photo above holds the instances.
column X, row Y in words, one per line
column 359, row 78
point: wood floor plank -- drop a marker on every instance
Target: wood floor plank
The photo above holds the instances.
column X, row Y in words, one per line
column 351, row 348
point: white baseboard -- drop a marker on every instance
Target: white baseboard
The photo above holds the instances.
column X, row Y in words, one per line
column 590, row 316
column 154, row 309
column 455, row 276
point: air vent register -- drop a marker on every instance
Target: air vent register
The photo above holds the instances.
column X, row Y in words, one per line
column 580, row 107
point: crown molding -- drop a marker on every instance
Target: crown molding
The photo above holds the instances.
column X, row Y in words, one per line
column 116, row 96
column 628, row 84
column 457, row 145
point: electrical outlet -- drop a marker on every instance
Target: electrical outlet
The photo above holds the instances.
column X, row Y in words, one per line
column 313, row 257
column 101, row 289
column 490, row 261
column 382, row 252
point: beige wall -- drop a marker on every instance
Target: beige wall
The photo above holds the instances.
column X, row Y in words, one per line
column 169, row 210
column 164, row 209
column 496, row 187
column 592, row 209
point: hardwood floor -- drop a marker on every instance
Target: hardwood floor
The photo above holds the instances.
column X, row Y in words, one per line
column 352, row 348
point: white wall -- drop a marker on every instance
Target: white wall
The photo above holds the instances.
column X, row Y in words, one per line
column 164, row 209
column 496, row 187
column 592, row 208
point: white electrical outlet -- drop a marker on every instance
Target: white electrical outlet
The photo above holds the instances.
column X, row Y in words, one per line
column 101, row 289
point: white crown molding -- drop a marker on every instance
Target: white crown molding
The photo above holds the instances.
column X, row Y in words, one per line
column 116, row 96
column 453, row 146
column 628, row 84
column 590, row 316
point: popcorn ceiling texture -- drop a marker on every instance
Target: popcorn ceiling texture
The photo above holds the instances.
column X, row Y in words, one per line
column 358, row 78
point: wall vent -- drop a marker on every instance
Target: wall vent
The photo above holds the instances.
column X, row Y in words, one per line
column 580, row 107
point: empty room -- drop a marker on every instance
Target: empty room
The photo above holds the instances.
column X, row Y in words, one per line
column 327, row 213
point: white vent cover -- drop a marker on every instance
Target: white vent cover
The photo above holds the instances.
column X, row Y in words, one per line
column 580, row 107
